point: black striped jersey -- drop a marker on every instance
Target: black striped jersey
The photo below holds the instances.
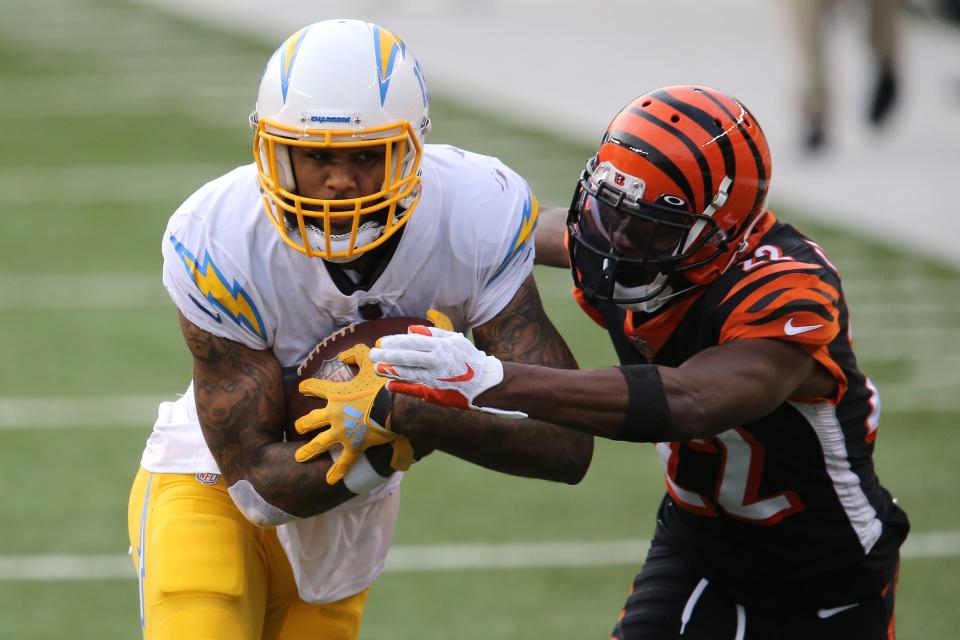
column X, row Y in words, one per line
column 788, row 507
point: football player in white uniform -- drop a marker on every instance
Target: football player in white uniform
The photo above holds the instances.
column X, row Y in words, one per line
column 232, row 537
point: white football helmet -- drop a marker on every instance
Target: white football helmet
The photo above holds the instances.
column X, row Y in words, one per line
column 340, row 84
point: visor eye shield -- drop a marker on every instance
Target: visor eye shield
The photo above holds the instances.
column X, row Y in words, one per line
column 640, row 233
column 608, row 203
column 615, row 223
column 652, row 238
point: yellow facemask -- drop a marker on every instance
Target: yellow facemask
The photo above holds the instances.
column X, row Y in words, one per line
column 305, row 223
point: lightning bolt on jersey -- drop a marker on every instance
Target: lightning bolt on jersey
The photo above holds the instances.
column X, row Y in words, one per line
column 787, row 507
column 465, row 251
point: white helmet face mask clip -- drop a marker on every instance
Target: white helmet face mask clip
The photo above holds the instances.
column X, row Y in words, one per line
column 340, row 85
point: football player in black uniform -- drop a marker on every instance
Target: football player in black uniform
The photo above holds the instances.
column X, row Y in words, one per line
column 734, row 342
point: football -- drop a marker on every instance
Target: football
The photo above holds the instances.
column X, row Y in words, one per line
column 322, row 362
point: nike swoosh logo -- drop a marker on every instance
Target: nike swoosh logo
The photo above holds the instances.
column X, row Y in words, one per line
column 823, row 614
column 791, row 330
column 467, row 375
column 385, row 369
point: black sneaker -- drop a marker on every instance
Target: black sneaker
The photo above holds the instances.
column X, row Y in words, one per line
column 815, row 138
column 884, row 95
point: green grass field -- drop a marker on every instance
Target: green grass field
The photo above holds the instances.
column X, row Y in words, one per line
column 111, row 115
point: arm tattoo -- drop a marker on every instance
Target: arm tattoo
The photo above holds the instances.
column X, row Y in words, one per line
column 523, row 333
column 241, row 405
column 239, row 396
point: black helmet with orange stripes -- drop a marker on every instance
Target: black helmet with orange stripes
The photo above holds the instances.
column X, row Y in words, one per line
column 679, row 180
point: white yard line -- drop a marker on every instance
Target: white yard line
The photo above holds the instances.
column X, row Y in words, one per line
column 451, row 557
column 51, row 413
column 102, row 183
column 83, row 291
column 65, row 567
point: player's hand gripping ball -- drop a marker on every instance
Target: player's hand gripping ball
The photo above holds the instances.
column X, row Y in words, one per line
column 339, row 394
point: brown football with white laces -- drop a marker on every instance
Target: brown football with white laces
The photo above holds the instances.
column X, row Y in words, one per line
column 322, row 362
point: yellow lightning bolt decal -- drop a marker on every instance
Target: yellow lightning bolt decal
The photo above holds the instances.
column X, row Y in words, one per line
column 389, row 49
column 232, row 299
column 386, row 41
column 289, row 51
column 528, row 222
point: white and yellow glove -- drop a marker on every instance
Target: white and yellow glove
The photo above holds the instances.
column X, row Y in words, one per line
column 357, row 414
column 442, row 367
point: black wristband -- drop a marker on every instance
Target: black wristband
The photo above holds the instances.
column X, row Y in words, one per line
column 648, row 414
column 381, row 408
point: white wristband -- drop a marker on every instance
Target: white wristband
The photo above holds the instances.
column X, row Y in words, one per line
column 362, row 479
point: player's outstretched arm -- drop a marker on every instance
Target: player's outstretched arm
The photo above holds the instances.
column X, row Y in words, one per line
column 548, row 238
column 521, row 332
column 242, row 406
column 719, row 388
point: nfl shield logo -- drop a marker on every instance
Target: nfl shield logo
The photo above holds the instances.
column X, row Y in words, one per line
column 208, row 478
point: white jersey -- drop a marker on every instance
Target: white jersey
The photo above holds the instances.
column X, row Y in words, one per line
column 464, row 251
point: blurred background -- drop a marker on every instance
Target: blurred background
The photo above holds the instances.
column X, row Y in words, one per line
column 115, row 110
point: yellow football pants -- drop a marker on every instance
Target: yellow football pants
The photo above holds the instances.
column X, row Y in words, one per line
column 206, row 573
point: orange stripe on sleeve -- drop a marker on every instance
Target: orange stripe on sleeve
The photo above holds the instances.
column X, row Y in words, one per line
column 798, row 307
column 795, row 307
column 764, row 271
